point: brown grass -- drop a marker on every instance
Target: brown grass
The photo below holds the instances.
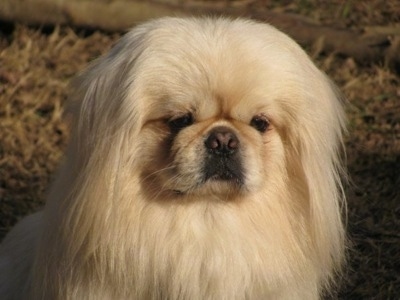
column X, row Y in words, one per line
column 35, row 70
column 36, row 65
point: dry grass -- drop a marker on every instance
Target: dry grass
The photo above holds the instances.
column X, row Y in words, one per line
column 36, row 65
column 35, row 70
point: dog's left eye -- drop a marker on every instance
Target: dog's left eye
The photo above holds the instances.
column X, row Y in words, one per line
column 260, row 123
column 180, row 122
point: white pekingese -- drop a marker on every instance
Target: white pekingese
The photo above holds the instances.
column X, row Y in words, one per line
column 203, row 164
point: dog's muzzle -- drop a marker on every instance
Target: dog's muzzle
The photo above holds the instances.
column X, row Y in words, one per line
column 222, row 161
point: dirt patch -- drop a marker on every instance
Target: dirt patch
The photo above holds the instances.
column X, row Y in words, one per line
column 37, row 63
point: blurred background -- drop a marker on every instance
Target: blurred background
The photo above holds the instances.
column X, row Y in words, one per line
column 44, row 43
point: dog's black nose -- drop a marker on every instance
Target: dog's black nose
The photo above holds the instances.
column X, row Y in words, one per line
column 222, row 141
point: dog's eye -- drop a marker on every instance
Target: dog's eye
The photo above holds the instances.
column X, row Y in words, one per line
column 180, row 122
column 260, row 123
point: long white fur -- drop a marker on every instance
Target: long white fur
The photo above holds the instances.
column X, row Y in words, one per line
column 102, row 235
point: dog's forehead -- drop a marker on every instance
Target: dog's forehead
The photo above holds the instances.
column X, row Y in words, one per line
column 225, row 68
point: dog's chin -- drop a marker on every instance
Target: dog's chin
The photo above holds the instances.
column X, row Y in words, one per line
column 224, row 187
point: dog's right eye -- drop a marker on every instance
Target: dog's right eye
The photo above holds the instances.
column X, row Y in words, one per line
column 180, row 122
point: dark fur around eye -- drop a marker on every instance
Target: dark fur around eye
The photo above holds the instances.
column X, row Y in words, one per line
column 176, row 124
column 260, row 123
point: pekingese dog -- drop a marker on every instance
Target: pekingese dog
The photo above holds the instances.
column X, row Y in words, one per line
column 204, row 163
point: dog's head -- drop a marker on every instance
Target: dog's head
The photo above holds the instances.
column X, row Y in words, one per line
column 212, row 106
column 211, row 110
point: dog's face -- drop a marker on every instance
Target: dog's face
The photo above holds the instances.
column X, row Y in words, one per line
column 217, row 107
column 211, row 107
column 208, row 127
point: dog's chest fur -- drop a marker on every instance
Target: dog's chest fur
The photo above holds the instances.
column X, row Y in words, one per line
column 202, row 251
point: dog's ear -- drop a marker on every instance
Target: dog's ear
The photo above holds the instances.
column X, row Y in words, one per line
column 98, row 103
column 104, row 118
column 319, row 144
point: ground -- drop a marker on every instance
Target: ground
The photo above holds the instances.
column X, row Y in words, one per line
column 36, row 65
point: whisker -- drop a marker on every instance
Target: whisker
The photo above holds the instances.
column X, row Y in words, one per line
column 169, row 167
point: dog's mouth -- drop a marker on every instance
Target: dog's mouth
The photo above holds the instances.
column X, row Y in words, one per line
column 223, row 169
column 221, row 176
column 220, row 170
column 222, row 161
